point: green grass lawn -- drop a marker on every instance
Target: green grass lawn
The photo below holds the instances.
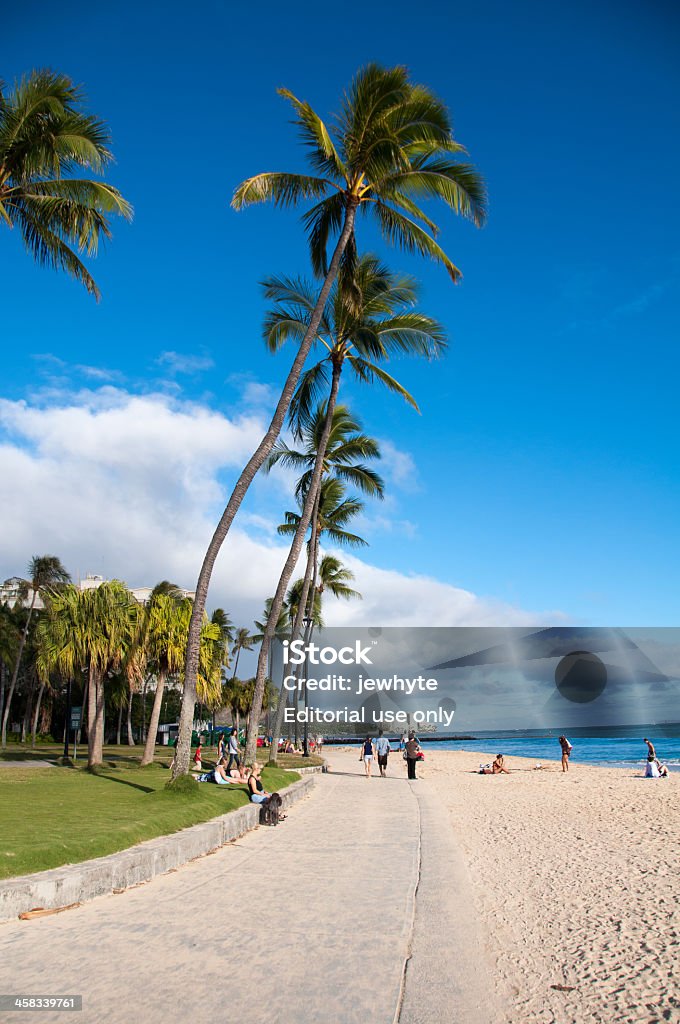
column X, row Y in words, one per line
column 123, row 753
column 55, row 816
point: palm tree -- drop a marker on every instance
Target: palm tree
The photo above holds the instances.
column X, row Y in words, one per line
column 94, row 630
column 332, row 513
column 164, row 642
column 44, row 137
column 43, row 571
column 10, row 638
column 243, row 641
column 370, row 318
column 347, row 450
column 392, row 144
column 334, row 577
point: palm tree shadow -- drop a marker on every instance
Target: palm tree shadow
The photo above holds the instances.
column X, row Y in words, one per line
column 125, row 782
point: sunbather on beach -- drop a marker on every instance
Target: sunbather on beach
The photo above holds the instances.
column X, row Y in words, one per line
column 497, row 768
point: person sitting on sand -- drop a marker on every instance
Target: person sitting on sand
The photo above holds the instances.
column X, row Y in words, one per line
column 258, row 794
column 663, row 769
column 497, row 768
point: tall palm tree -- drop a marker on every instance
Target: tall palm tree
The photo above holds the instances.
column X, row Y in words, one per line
column 93, row 630
column 391, row 144
column 164, row 642
column 346, row 455
column 45, row 136
column 370, row 318
column 332, row 513
column 43, row 571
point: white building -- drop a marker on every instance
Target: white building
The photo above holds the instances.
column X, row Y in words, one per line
column 11, row 590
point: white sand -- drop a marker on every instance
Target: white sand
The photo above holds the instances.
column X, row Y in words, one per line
column 577, row 880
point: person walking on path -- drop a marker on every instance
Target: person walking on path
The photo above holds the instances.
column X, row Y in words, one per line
column 412, row 751
column 233, row 750
column 382, row 749
column 566, row 751
column 403, row 741
column 367, row 755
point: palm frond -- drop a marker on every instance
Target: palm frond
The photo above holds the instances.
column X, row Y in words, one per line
column 368, row 373
column 403, row 231
column 316, row 136
column 281, row 188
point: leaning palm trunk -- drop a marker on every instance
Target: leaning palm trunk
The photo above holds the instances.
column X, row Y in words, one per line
column 150, row 746
column 15, row 673
column 36, row 713
column 291, row 561
column 119, row 727
column 253, row 466
column 295, row 632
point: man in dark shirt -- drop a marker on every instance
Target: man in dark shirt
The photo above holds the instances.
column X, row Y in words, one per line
column 412, row 751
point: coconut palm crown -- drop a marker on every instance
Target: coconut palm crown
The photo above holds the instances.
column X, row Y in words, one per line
column 45, row 138
column 390, row 147
column 370, row 318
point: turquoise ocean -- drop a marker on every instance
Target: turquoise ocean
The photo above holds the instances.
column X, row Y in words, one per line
column 620, row 747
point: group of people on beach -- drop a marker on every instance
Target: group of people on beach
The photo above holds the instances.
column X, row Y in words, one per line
column 654, row 769
column 380, row 748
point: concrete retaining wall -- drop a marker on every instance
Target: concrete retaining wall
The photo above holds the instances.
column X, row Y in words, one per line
column 75, row 883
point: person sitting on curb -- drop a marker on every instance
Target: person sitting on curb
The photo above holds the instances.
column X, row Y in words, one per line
column 258, row 794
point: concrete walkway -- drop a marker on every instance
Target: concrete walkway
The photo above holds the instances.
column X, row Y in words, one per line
column 312, row 921
column 27, row 764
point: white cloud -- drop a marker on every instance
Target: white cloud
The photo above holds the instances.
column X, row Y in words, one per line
column 254, row 392
column 177, row 362
column 398, row 466
column 397, row 599
column 132, row 486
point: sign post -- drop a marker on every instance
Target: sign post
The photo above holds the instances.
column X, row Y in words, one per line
column 76, row 715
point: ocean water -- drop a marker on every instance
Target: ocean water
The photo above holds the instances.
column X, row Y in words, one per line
column 614, row 747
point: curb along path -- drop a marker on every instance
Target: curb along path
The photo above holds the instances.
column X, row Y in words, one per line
column 76, row 883
column 310, row 921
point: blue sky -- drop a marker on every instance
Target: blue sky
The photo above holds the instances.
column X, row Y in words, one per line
column 543, row 471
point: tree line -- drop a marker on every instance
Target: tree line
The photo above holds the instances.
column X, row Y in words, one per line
column 388, row 150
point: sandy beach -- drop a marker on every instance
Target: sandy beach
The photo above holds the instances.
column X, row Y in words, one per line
column 575, row 880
